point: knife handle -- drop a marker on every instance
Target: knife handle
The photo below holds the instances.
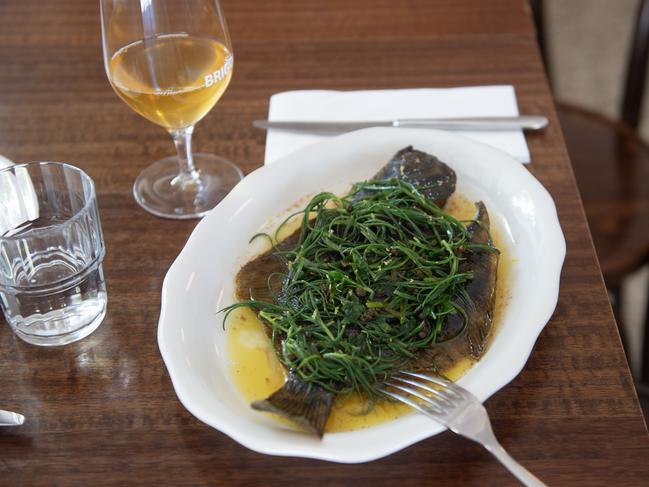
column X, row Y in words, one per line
column 8, row 418
column 527, row 122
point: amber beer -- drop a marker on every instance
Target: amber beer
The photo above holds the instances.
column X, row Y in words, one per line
column 172, row 80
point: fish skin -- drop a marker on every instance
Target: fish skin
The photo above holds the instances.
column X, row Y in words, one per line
column 421, row 169
column 481, row 290
column 248, row 286
column 310, row 405
column 305, row 404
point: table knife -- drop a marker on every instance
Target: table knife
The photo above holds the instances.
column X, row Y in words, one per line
column 469, row 123
column 7, row 418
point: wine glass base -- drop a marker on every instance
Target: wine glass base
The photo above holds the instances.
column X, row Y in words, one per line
column 160, row 191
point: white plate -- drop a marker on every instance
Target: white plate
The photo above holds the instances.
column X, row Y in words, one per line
column 201, row 280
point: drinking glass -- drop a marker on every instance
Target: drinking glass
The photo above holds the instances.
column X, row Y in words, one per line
column 52, row 289
column 171, row 61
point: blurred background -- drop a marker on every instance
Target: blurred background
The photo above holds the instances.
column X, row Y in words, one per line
column 587, row 45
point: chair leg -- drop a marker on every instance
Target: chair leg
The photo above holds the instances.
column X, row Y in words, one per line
column 616, row 304
column 645, row 343
column 537, row 15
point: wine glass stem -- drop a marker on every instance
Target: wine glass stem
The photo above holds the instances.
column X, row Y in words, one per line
column 187, row 173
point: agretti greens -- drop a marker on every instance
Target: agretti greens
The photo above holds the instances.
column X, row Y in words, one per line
column 370, row 283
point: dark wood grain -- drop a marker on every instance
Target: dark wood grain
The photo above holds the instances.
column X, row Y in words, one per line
column 103, row 411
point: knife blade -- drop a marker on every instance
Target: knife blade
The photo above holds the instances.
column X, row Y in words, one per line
column 527, row 122
column 8, row 418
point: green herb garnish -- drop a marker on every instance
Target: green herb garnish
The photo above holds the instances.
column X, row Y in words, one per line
column 370, row 283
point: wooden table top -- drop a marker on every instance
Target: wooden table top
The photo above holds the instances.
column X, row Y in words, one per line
column 103, row 411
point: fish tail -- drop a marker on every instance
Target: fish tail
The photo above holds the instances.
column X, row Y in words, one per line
column 305, row 404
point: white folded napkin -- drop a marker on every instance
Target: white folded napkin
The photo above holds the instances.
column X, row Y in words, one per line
column 321, row 105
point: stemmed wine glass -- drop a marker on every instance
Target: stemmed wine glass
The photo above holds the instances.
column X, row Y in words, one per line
column 171, row 61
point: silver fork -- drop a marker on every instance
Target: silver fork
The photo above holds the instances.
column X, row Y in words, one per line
column 458, row 410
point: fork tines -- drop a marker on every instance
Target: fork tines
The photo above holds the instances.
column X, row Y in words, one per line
column 437, row 393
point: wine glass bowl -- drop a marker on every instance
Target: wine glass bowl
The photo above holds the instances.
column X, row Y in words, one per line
column 171, row 61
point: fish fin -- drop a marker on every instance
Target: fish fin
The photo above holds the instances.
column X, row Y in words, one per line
column 477, row 336
column 477, row 300
column 479, row 227
column 483, row 287
column 305, row 404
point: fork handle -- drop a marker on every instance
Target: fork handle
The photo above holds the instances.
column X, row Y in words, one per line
column 520, row 472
